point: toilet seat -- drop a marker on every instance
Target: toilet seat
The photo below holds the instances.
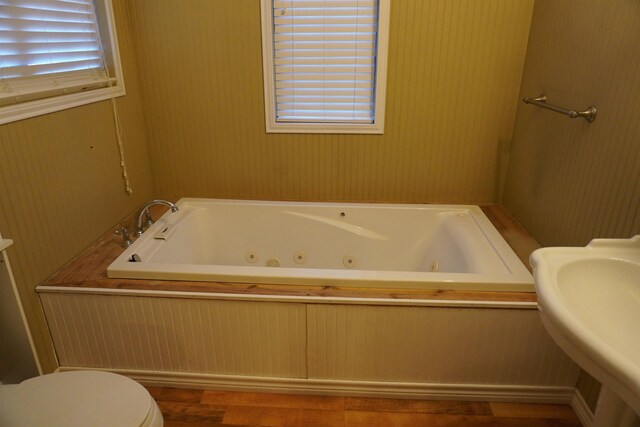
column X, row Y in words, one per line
column 78, row 398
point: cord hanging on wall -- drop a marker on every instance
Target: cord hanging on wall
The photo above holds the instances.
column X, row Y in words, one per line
column 116, row 118
column 123, row 164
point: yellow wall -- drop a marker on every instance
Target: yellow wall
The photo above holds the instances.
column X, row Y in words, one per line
column 60, row 184
column 454, row 73
column 570, row 181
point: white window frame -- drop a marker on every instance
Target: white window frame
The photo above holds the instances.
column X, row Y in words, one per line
column 25, row 110
column 272, row 126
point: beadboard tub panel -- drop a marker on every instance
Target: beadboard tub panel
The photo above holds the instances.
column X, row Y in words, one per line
column 317, row 342
column 434, row 345
column 178, row 335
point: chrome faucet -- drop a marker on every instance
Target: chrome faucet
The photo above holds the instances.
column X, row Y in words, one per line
column 144, row 217
column 126, row 240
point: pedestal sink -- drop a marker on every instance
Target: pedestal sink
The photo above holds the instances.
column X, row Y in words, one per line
column 589, row 302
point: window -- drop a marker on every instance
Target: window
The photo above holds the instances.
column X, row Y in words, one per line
column 56, row 54
column 325, row 65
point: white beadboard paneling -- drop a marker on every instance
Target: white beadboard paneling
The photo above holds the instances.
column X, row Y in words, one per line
column 434, row 345
column 426, row 348
column 178, row 335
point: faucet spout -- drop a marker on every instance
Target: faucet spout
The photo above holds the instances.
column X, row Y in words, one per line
column 144, row 217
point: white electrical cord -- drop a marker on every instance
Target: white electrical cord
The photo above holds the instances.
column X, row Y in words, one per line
column 123, row 164
column 116, row 117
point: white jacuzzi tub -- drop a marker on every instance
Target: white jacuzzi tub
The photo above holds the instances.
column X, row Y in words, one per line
column 346, row 244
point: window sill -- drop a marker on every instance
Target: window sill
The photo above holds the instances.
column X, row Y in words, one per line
column 332, row 128
column 16, row 112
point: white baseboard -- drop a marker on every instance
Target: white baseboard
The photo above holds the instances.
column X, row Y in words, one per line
column 401, row 390
column 582, row 410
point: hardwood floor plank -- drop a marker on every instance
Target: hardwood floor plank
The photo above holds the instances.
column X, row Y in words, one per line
column 318, row 418
column 178, row 424
column 227, row 398
column 273, row 400
column 532, row 410
column 262, row 416
column 192, row 412
column 392, row 419
column 191, row 408
column 194, row 424
column 170, row 394
column 417, row 406
column 282, row 417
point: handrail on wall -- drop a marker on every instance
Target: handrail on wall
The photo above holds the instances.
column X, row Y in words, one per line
column 541, row 101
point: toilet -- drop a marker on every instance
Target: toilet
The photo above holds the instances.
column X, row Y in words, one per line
column 69, row 399
column 78, row 398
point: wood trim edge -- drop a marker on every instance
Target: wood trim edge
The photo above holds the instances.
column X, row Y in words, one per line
column 582, row 410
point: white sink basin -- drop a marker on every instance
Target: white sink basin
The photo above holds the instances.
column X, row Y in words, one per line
column 589, row 301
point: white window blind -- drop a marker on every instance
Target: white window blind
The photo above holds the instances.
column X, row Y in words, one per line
column 324, row 59
column 48, row 48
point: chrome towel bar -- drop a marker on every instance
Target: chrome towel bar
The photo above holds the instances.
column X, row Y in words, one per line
column 589, row 114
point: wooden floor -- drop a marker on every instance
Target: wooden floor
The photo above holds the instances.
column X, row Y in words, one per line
column 189, row 408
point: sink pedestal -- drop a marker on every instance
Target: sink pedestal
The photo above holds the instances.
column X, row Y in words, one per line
column 589, row 302
column 613, row 412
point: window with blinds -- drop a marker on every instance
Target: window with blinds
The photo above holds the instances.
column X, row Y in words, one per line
column 325, row 65
column 52, row 49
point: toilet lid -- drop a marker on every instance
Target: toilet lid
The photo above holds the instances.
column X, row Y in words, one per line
column 77, row 398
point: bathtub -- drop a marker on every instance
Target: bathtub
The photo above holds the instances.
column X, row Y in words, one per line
column 332, row 244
